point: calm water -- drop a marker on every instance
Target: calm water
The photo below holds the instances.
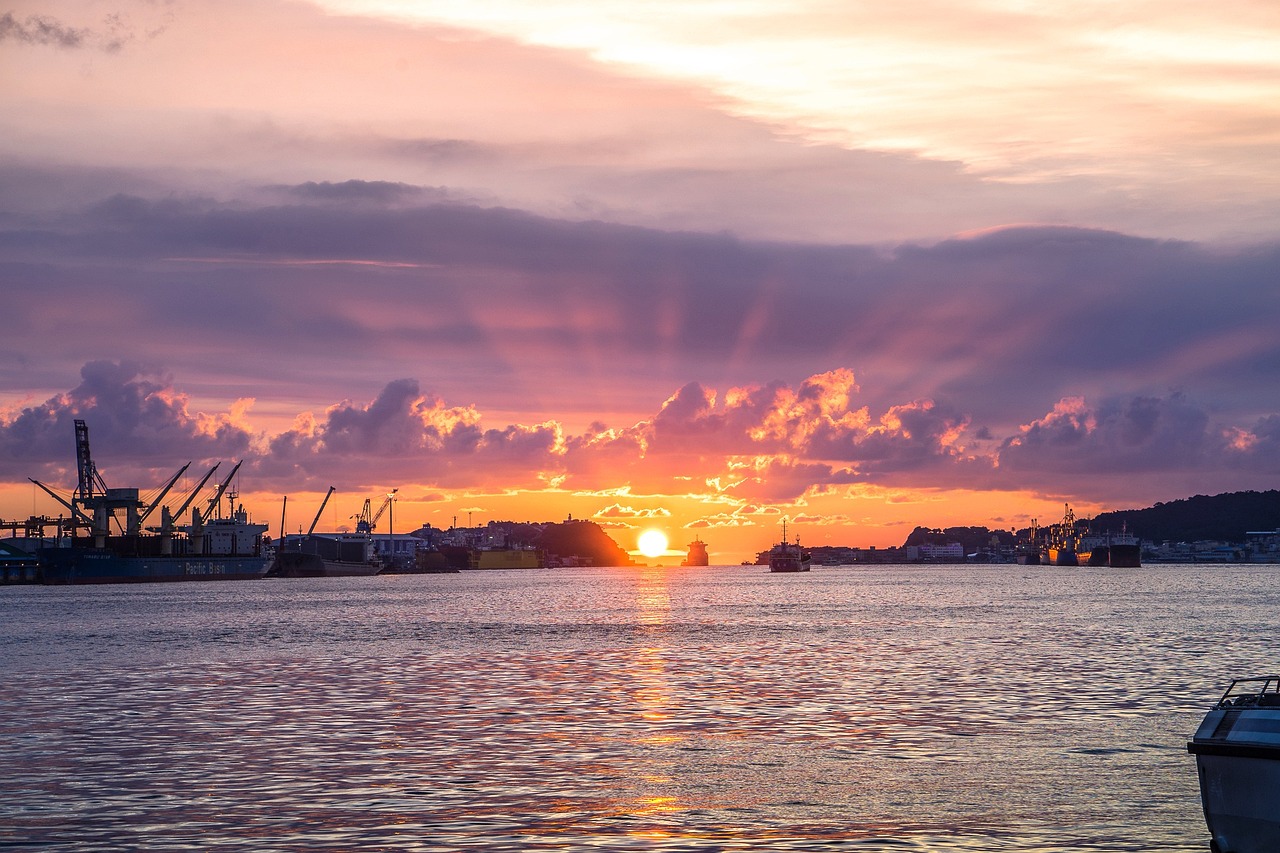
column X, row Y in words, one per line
column 890, row 708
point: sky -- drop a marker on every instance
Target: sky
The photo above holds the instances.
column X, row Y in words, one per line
column 698, row 266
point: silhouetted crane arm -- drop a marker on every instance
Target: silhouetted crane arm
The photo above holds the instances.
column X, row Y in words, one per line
column 316, row 520
column 159, row 500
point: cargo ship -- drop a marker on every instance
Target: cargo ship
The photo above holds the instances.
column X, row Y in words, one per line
column 787, row 556
column 325, row 555
column 1124, row 551
column 1060, row 542
column 1237, row 750
column 230, row 548
column 697, row 555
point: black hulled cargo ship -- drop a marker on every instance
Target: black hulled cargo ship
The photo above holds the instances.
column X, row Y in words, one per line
column 787, row 556
column 214, row 548
column 327, row 555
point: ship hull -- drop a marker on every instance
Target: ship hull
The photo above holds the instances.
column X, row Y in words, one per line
column 789, row 563
column 291, row 564
column 99, row 566
column 1125, row 557
column 1238, row 763
column 1060, row 557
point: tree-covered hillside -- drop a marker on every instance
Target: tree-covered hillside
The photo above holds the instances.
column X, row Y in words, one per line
column 1225, row 517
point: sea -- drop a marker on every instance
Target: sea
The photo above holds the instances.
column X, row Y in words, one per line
column 860, row 708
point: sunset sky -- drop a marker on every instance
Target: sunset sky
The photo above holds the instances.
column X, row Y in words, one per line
column 696, row 265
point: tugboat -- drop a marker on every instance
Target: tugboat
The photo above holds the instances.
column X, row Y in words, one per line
column 697, row 554
column 788, row 557
column 1237, row 750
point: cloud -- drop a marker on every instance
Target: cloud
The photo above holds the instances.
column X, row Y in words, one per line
column 355, row 192
column 1117, row 436
column 116, row 29
column 620, row 511
column 955, row 343
column 752, row 448
column 138, row 423
column 42, row 30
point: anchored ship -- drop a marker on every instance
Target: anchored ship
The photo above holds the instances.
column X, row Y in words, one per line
column 326, row 555
column 1060, row 542
column 216, row 548
column 697, row 554
column 787, row 556
column 1124, row 551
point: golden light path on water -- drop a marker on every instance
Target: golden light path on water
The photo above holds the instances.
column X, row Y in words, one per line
column 873, row 708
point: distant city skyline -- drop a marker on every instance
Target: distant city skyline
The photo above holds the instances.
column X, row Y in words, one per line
column 694, row 267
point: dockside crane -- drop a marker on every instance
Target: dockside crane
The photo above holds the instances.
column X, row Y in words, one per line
column 316, row 520
column 215, row 502
column 386, row 503
column 163, row 492
column 368, row 522
column 87, row 471
column 93, row 505
column 168, row 518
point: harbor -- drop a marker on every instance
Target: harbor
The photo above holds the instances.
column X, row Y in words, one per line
column 694, row 710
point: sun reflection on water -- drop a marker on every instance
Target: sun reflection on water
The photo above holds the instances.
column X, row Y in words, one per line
column 611, row 709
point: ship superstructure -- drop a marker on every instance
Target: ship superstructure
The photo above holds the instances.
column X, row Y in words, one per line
column 697, row 555
column 787, row 556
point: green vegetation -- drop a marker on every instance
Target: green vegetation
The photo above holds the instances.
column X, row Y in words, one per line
column 1225, row 518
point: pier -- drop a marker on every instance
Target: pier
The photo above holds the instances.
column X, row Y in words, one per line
column 19, row 542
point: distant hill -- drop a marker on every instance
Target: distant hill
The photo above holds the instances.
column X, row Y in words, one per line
column 585, row 540
column 973, row 539
column 1225, row 517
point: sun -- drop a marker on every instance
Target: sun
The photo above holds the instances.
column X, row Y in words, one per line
column 652, row 543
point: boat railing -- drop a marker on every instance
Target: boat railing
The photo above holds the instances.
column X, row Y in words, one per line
column 1258, row 690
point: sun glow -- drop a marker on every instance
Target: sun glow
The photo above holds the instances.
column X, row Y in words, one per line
column 652, row 543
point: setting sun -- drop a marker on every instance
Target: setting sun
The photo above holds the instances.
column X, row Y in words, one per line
column 652, row 543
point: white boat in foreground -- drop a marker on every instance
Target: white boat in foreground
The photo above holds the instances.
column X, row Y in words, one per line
column 1237, row 750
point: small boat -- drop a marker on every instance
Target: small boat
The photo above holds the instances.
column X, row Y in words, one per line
column 1237, row 750
column 787, row 556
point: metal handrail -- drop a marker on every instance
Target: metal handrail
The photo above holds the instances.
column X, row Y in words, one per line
column 1270, row 685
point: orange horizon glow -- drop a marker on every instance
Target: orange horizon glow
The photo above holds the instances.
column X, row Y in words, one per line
column 882, row 525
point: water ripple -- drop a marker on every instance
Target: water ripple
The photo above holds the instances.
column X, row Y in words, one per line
column 890, row 709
